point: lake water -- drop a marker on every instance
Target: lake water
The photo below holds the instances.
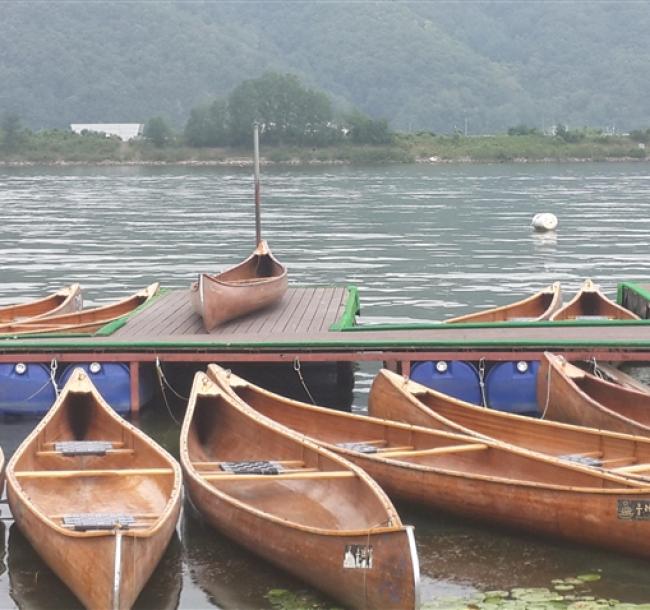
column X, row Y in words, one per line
column 421, row 243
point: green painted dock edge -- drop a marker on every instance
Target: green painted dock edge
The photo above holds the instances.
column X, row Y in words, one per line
column 351, row 310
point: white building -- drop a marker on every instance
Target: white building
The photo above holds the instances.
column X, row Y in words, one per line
column 124, row 131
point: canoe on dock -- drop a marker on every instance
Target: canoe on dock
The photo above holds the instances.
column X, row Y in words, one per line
column 295, row 504
column 591, row 304
column 257, row 282
column 470, row 477
column 86, row 320
column 572, row 395
column 97, row 499
column 62, row 301
column 400, row 399
column 539, row 306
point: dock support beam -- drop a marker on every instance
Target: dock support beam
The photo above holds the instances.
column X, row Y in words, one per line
column 134, row 368
column 401, row 367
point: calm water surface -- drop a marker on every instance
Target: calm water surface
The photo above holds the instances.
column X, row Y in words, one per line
column 420, row 242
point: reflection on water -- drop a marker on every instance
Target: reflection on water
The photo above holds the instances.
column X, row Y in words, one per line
column 420, row 242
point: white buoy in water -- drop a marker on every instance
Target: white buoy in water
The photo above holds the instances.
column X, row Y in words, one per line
column 545, row 221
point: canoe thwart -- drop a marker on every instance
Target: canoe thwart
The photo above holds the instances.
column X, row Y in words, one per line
column 285, row 476
column 82, row 522
column 252, row 467
column 71, row 448
column 435, row 450
column 124, row 472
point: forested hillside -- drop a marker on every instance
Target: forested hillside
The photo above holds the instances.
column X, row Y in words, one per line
column 434, row 66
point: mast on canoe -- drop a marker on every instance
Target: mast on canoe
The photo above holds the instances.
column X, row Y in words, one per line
column 256, row 155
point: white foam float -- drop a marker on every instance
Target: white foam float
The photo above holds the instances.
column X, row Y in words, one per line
column 544, row 221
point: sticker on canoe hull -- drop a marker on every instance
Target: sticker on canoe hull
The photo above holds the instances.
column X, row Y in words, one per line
column 633, row 510
column 357, row 556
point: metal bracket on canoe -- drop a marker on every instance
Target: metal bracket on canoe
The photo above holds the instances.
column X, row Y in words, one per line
column 72, row 448
column 252, row 467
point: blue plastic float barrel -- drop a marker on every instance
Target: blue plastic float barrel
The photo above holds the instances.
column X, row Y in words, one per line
column 512, row 387
column 453, row 377
column 25, row 388
column 113, row 382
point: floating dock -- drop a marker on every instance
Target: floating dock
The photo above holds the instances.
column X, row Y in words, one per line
column 318, row 324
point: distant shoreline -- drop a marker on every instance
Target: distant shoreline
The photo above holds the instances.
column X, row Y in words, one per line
column 423, row 148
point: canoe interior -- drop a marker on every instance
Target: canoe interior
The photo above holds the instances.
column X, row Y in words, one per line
column 394, row 397
column 627, row 402
column 66, row 299
column 220, row 433
column 461, row 454
column 258, row 266
column 84, row 320
column 590, row 302
column 536, row 307
column 58, row 484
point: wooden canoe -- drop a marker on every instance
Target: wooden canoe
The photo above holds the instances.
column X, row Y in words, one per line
column 300, row 507
column 470, row 477
column 539, row 306
column 569, row 394
column 97, row 499
column 84, row 321
column 66, row 300
column 397, row 398
column 611, row 373
column 591, row 303
column 257, row 282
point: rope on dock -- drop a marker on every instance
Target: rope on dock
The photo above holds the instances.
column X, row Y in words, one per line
column 296, row 367
column 162, row 380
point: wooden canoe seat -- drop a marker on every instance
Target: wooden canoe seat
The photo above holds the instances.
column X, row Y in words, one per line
column 359, row 447
column 436, row 450
column 83, row 522
column 52, row 444
column 117, row 472
column 307, row 473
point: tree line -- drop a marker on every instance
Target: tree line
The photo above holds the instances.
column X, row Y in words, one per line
column 287, row 113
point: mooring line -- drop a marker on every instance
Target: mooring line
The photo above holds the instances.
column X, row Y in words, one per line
column 296, row 367
column 162, row 380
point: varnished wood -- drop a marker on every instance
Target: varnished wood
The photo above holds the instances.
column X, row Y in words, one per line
column 591, row 302
column 303, row 521
column 66, row 300
column 255, row 283
column 44, row 485
column 572, row 395
column 539, row 306
column 84, row 321
column 500, row 484
column 397, row 398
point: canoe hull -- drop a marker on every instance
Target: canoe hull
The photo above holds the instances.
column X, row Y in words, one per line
column 591, row 518
column 83, row 461
column 588, row 401
column 256, row 283
column 318, row 559
column 399, row 399
column 539, row 306
column 66, row 300
column 590, row 302
column 85, row 564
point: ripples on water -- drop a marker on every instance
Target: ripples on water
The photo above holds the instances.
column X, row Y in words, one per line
column 420, row 242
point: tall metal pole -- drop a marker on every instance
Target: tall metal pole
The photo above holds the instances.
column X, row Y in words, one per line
column 256, row 153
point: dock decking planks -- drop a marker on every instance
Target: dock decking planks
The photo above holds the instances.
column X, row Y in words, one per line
column 302, row 311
